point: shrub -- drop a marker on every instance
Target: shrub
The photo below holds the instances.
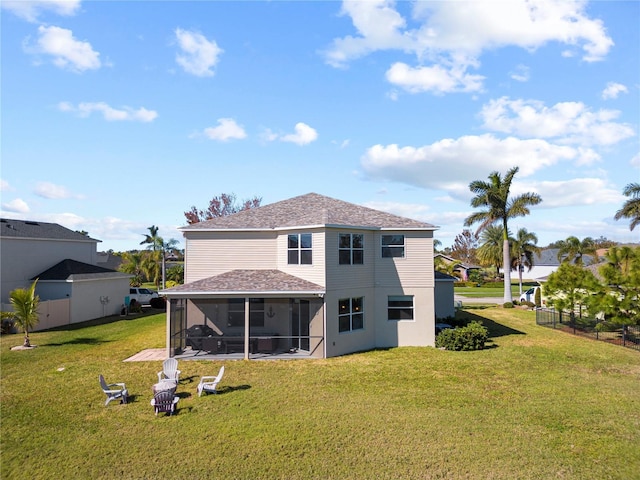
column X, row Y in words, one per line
column 538, row 297
column 471, row 337
column 507, row 305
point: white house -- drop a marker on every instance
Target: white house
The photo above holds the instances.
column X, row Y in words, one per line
column 311, row 275
column 70, row 284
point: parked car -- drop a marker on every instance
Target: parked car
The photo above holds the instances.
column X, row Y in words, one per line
column 142, row 295
column 529, row 295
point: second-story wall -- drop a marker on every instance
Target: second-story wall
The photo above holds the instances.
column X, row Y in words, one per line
column 211, row 253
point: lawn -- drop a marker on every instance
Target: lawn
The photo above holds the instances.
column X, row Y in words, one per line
column 537, row 403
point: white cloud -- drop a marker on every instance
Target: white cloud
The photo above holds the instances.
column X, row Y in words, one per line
column 569, row 122
column 450, row 164
column 304, row 134
column 521, row 73
column 109, row 113
column 577, row 191
column 451, row 36
column 635, row 161
column 409, row 210
column 16, row 206
column 612, row 90
column 67, row 52
column 4, row 186
column 435, row 78
column 53, row 191
column 30, row 10
column 227, row 129
column 199, row 56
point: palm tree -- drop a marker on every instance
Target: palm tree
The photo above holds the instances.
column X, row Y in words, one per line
column 168, row 246
column 25, row 304
column 494, row 197
column 490, row 252
column 151, row 238
column 573, row 249
column 132, row 262
column 523, row 247
column 631, row 208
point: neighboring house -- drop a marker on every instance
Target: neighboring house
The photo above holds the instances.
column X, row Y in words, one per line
column 544, row 264
column 49, row 251
column 311, row 274
column 462, row 269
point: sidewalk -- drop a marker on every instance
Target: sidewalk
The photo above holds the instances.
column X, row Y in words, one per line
column 466, row 300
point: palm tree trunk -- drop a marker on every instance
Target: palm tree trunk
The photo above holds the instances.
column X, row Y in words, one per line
column 506, row 268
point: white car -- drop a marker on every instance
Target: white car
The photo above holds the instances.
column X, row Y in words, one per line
column 529, row 295
column 142, row 295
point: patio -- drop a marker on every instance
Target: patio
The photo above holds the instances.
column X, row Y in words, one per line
column 159, row 354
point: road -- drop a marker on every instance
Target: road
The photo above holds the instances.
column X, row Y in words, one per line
column 466, row 300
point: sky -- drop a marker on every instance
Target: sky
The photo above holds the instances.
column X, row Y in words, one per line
column 120, row 115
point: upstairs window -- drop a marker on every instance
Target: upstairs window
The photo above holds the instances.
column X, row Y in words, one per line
column 392, row 246
column 350, row 314
column 351, row 249
column 299, row 249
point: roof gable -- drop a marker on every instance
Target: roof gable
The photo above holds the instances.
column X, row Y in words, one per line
column 68, row 268
column 306, row 210
column 39, row 230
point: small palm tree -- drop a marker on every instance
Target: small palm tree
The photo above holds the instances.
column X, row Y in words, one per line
column 573, row 249
column 490, row 253
column 523, row 248
column 25, row 304
column 493, row 196
column 631, row 208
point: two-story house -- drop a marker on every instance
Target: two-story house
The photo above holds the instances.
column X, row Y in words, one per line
column 311, row 275
column 71, row 286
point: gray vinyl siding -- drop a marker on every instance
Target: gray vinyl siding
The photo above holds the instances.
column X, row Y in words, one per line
column 213, row 253
column 313, row 273
column 345, row 276
column 414, row 270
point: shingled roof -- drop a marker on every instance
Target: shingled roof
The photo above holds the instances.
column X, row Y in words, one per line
column 73, row 270
column 39, row 230
column 248, row 282
column 309, row 210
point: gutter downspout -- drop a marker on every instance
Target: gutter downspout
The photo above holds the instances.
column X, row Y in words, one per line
column 246, row 328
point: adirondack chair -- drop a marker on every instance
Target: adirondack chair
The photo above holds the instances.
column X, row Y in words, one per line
column 164, row 401
column 113, row 391
column 169, row 370
column 209, row 384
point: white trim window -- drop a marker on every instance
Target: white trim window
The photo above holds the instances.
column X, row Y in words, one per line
column 400, row 307
column 299, row 249
column 350, row 314
column 350, row 249
column 392, row 246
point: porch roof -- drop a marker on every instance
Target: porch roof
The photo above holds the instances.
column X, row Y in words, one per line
column 246, row 282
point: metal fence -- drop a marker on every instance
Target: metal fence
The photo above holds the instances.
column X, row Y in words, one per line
column 625, row 335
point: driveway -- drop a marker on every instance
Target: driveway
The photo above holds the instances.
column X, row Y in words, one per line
column 466, row 300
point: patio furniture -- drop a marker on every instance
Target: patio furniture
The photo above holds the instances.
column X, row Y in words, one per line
column 267, row 343
column 164, row 401
column 113, row 391
column 212, row 344
column 169, row 370
column 209, row 384
column 165, row 385
column 196, row 335
column 236, row 344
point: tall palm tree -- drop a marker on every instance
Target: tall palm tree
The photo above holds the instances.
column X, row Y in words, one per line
column 523, row 248
column 573, row 249
column 493, row 196
column 25, row 304
column 631, row 208
column 168, row 246
column 151, row 238
column 490, row 251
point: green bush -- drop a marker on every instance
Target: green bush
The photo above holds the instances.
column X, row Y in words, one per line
column 507, row 305
column 471, row 337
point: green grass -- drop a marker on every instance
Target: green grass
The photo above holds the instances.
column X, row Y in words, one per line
column 492, row 290
column 537, row 403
